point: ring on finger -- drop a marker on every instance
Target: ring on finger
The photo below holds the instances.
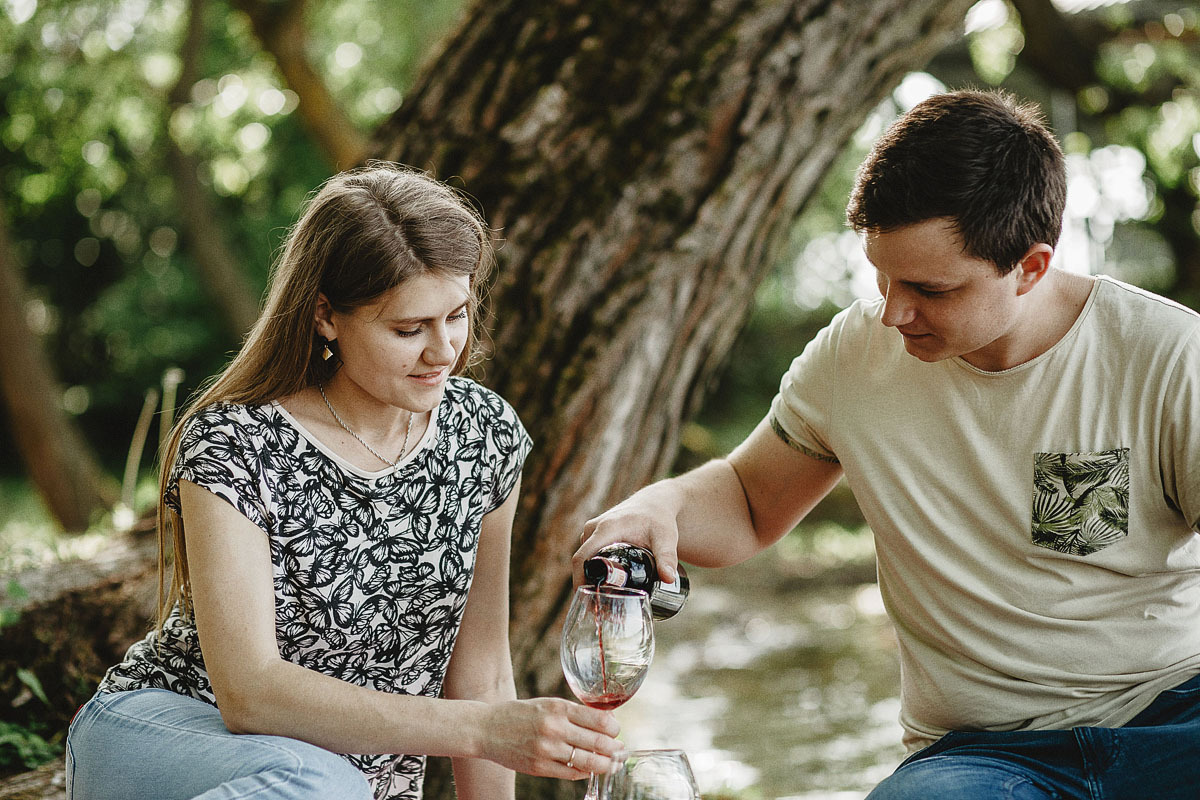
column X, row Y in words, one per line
column 571, row 758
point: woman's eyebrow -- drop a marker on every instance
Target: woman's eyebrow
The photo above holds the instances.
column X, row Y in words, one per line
column 412, row 320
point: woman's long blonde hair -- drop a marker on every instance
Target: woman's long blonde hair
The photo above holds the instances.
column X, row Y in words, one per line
column 362, row 233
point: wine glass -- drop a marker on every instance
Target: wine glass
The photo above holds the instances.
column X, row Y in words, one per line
column 607, row 645
column 650, row 775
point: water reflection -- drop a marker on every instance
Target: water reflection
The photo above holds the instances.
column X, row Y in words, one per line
column 775, row 690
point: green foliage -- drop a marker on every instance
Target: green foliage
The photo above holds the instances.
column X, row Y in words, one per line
column 34, row 685
column 85, row 121
column 86, row 191
column 21, row 748
column 16, row 593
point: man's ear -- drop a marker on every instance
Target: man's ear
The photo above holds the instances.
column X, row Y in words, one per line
column 323, row 318
column 1033, row 266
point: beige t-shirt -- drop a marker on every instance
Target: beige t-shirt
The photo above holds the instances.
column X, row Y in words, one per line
column 1035, row 527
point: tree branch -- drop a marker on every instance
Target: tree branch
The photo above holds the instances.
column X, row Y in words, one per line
column 60, row 463
column 219, row 270
column 1063, row 50
column 280, row 28
column 1060, row 49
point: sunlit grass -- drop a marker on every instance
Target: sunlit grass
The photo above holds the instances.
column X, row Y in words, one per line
column 30, row 537
column 27, row 531
column 749, row 793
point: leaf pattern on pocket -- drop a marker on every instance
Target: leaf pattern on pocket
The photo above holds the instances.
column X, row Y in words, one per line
column 1080, row 500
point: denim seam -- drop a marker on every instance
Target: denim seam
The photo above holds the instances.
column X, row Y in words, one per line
column 1018, row 780
column 1090, row 758
column 69, row 768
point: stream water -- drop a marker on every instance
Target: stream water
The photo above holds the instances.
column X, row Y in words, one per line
column 776, row 690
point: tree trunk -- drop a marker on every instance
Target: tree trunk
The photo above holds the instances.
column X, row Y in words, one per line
column 60, row 464
column 643, row 163
column 47, row 782
column 217, row 267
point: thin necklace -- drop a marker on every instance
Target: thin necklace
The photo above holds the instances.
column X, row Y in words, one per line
column 395, row 465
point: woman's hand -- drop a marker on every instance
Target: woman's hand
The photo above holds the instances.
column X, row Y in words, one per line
column 550, row 737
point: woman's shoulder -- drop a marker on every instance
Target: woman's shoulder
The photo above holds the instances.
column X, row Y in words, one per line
column 476, row 411
column 468, row 396
column 223, row 413
column 224, row 421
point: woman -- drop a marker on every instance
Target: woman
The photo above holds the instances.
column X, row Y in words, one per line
column 340, row 505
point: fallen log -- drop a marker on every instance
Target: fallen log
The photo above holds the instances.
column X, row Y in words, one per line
column 64, row 626
column 47, row 782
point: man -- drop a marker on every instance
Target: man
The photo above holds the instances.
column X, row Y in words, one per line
column 1023, row 443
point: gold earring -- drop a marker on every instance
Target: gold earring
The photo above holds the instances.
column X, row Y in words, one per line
column 326, row 354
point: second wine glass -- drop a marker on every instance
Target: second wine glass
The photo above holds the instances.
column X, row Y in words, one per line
column 650, row 775
column 607, row 646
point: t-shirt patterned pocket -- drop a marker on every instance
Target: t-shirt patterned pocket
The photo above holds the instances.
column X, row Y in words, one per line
column 1080, row 500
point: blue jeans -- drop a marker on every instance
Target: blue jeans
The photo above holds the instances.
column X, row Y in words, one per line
column 153, row 744
column 1156, row 755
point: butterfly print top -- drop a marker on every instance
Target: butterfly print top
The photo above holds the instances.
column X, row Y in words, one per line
column 371, row 569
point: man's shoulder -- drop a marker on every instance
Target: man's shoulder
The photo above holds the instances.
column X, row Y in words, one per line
column 1130, row 325
column 859, row 318
column 1140, row 307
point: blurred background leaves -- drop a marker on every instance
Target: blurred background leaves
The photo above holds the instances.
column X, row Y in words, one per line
column 152, row 155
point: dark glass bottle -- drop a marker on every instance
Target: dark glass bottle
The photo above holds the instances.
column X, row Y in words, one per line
column 634, row 567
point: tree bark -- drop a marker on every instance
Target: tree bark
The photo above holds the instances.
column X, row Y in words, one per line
column 63, row 626
column 643, row 163
column 59, row 462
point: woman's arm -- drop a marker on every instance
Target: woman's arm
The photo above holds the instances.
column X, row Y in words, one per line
column 481, row 668
column 257, row 691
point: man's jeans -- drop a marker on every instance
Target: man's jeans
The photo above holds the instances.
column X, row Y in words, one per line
column 153, row 744
column 1156, row 756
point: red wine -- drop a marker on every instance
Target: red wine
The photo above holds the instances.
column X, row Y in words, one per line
column 634, row 567
column 603, row 660
column 608, row 700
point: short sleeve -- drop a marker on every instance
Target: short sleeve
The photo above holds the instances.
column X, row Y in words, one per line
column 218, row 452
column 1181, row 432
column 510, row 444
column 801, row 412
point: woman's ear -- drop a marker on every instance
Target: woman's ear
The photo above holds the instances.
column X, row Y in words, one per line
column 323, row 318
column 1033, row 266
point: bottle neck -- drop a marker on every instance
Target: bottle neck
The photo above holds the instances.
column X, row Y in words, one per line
column 605, row 571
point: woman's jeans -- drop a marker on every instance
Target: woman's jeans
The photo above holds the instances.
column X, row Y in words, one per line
column 1156, row 756
column 153, row 744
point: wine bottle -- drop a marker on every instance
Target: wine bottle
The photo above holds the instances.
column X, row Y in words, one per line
column 634, row 567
